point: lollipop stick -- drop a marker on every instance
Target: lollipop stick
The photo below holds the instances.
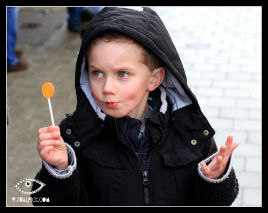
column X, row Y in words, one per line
column 50, row 110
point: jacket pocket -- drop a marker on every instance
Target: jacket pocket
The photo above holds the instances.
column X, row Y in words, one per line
column 179, row 170
column 103, row 156
column 181, row 166
column 181, row 157
column 192, row 126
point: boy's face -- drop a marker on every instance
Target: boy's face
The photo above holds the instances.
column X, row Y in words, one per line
column 120, row 82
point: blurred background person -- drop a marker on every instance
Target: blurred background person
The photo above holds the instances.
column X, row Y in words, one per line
column 13, row 54
column 79, row 18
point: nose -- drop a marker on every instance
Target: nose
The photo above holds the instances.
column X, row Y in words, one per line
column 109, row 86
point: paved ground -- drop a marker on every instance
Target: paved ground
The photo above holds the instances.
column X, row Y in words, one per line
column 220, row 48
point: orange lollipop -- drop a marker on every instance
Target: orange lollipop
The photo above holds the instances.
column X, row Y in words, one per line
column 48, row 92
column 48, row 89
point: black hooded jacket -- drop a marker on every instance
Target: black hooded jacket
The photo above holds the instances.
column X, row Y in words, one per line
column 105, row 170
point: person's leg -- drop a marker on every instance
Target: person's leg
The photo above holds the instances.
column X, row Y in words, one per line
column 13, row 64
column 94, row 10
column 74, row 23
column 12, row 13
column 86, row 14
column 79, row 17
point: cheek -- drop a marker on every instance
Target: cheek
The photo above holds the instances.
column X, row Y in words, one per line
column 95, row 89
column 129, row 95
column 135, row 92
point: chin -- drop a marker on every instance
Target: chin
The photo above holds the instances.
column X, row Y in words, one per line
column 114, row 113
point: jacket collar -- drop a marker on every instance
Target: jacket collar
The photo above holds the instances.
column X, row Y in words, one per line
column 132, row 126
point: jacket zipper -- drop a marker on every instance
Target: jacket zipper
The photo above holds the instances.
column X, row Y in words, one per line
column 146, row 188
column 146, row 181
column 145, row 177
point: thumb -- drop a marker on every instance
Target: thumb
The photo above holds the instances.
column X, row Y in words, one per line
column 205, row 168
column 60, row 144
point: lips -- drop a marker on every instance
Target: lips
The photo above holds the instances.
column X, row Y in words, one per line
column 111, row 105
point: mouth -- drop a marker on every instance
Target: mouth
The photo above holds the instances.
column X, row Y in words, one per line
column 111, row 105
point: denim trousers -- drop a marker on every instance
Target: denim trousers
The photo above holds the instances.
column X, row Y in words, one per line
column 74, row 16
column 12, row 15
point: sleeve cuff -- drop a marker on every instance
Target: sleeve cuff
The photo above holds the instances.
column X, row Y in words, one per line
column 223, row 177
column 62, row 174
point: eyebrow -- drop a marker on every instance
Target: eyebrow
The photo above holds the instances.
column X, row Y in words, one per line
column 123, row 68
column 92, row 66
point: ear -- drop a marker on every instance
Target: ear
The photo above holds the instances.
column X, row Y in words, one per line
column 156, row 79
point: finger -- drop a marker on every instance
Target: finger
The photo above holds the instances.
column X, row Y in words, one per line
column 231, row 147
column 229, row 141
column 219, row 160
column 49, row 136
column 43, row 153
column 222, row 151
column 216, row 163
column 53, row 128
column 48, row 129
column 234, row 146
column 45, row 143
column 205, row 168
column 42, row 130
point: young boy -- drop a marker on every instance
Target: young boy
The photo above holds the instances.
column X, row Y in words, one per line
column 138, row 135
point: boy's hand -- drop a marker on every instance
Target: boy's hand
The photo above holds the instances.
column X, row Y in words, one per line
column 217, row 166
column 51, row 147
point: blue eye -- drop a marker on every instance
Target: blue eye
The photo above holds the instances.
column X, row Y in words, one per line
column 123, row 74
column 97, row 74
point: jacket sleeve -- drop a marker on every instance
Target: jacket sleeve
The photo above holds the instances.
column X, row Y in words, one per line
column 218, row 192
column 60, row 189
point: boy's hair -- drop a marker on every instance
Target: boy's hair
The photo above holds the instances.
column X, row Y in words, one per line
column 149, row 58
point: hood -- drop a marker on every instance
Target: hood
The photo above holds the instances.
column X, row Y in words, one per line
column 145, row 27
